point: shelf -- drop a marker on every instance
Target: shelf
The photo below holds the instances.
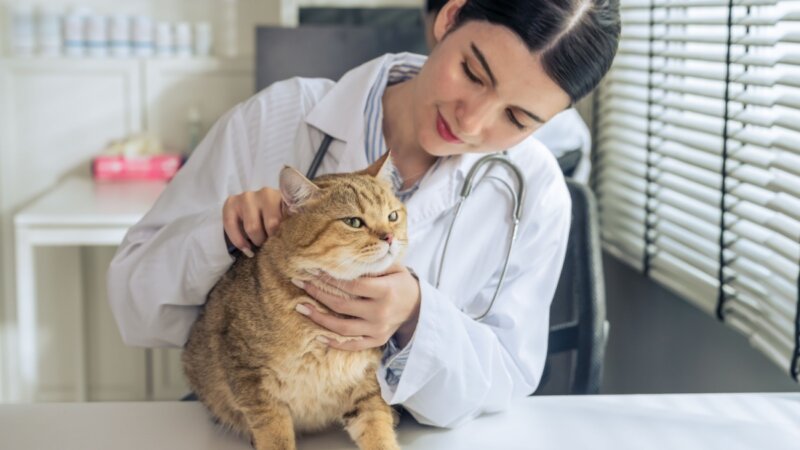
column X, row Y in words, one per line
column 198, row 63
column 359, row 3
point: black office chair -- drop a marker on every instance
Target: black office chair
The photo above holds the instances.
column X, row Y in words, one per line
column 569, row 161
column 578, row 327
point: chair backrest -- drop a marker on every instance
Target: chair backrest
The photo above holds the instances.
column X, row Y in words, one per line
column 578, row 316
column 569, row 161
column 326, row 51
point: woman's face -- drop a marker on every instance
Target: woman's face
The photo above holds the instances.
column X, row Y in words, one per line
column 481, row 90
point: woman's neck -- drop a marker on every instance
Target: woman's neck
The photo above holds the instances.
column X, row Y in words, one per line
column 408, row 157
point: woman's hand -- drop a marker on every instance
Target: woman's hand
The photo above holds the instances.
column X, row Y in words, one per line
column 379, row 308
column 251, row 217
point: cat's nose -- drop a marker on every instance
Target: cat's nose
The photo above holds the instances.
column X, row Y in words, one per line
column 388, row 238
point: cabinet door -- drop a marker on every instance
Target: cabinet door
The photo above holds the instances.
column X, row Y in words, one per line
column 55, row 115
column 169, row 383
column 210, row 86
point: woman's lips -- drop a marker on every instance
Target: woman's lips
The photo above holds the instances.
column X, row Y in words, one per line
column 444, row 130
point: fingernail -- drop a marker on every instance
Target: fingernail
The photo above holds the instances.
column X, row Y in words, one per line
column 302, row 309
column 247, row 252
column 298, row 283
column 323, row 339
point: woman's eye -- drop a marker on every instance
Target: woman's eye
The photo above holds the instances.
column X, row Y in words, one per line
column 471, row 75
column 354, row 222
column 514, row 120
column 393, row 216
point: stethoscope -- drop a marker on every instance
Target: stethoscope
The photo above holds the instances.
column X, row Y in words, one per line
column 517, row 195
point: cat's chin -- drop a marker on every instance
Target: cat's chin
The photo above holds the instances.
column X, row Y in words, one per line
column 354, row 271
column 380, row 266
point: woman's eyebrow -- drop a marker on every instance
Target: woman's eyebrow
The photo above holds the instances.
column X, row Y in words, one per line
column 485, row 65
column 482, row 60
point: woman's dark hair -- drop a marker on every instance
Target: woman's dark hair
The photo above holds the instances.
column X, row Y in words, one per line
column 577, row 39
column 434, row 5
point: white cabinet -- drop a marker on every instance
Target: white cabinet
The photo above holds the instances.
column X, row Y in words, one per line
column 211, row 86
column 55, row 114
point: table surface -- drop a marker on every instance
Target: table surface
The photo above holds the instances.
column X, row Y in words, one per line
column 80, row 201
column 640, row 422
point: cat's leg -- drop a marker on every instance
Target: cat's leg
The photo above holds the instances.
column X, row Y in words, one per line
column 269, row 420
column 370, row 422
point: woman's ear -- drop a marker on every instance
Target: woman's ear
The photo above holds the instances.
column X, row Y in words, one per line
column 446, row 19
column 296, row 189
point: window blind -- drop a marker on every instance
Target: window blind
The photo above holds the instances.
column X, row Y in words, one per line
column 697, row 159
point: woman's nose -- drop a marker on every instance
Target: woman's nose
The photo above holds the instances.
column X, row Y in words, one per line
column 473, row 115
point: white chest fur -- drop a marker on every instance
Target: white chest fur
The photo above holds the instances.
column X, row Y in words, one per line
column 323, row 381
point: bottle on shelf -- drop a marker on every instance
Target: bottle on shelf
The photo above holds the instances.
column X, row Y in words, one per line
column 143, row 37
column 23, row 38
column 96, row 35
column 74, row 31
column 48, row 31
column 183, row 39
column 119, row 35
column 165, row 41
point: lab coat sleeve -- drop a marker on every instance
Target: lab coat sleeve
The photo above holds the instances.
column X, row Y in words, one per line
column 458, row 368
column 169, row 261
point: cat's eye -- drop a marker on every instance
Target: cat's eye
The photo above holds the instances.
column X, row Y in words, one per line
column 393, row 216
column 354, row 222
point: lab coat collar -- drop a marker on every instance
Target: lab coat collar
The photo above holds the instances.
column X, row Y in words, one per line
column 340, row 113
column 439, row 191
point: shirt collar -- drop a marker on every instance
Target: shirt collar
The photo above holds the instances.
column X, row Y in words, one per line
column 340, row 113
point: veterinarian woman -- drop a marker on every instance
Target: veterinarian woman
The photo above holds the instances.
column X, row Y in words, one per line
column 499, row 71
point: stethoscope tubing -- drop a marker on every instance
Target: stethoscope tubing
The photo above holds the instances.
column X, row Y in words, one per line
column 517, row 195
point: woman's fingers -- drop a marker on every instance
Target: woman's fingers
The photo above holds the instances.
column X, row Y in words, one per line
column 252, row 222
column 233, row 228
column 365, row 287
column 251, row 217
column 346, row 306
column 341, row 326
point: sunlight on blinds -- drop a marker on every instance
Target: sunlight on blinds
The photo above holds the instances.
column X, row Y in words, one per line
column 697, row 162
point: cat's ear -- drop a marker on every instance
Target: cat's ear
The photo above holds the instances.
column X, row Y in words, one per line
column 296, row 189
column 382, row 169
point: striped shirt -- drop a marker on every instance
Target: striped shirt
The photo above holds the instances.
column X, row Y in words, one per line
column 399, row 68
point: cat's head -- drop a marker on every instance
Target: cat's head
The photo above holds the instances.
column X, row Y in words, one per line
column 346, row 225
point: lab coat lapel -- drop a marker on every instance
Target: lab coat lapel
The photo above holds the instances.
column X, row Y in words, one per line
column 439, row 191
column 341, row 113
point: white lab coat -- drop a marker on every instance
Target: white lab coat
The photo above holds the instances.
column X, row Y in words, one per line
column 457, row 368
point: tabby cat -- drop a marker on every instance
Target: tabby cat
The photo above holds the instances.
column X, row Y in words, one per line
column 257, row 364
